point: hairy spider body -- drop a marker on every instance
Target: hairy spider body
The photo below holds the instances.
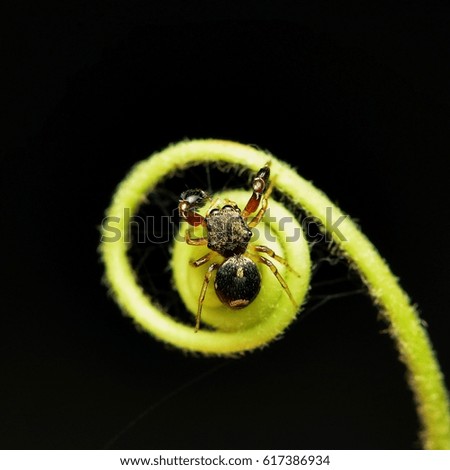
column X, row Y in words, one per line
column 228, row 233
column 229, row 230
column 238, row 282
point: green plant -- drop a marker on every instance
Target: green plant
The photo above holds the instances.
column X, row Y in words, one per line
column 266, row 319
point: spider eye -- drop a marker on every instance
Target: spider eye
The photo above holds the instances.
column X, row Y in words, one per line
column 230, row 207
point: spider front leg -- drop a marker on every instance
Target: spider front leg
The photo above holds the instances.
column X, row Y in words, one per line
column 259, row 185
column 257, row 219
column 189, row 201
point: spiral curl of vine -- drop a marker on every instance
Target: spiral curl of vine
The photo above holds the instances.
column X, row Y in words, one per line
column 268, row 316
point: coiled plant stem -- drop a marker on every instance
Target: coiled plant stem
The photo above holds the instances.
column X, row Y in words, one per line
column 411, row 339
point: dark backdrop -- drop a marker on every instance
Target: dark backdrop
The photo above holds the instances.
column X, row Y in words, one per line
column 358, row 100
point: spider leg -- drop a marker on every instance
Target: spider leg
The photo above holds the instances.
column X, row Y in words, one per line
column 265, row 202
column 191, row 200
column 192, row 218
column 214, row 205
column 201, row 298
column 194, row 241
column 268, row 251
column 274, row 270
column 204, row 259
column 259, row 185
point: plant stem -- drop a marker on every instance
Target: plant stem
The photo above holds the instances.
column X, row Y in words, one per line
column 412, row 341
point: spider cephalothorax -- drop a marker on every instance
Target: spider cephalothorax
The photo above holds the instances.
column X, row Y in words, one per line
column 229, row 231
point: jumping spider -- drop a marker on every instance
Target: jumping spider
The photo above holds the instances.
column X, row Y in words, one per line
column 238, row 280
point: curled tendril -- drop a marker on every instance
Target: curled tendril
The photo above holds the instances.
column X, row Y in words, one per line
column 272, row 311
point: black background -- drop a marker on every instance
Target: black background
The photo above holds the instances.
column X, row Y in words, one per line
column 357, row 100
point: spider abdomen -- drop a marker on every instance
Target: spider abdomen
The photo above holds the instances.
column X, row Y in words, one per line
column 238, row 282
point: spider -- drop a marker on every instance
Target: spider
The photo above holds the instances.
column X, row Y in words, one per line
column 238, row 280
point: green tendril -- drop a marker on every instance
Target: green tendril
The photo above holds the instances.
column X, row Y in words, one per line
column 272, row 311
